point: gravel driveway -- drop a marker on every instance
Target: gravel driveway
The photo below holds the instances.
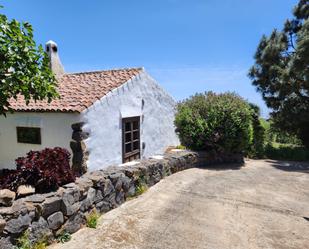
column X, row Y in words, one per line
column 261, row 205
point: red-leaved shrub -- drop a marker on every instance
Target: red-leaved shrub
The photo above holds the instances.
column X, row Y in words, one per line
column 45, row 170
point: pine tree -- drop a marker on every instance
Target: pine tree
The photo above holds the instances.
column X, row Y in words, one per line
column 281, row 73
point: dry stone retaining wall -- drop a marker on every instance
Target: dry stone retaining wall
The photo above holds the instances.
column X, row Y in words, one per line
column 48, row 215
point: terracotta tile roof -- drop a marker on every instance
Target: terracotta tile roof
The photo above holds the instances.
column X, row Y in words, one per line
column 79, row 90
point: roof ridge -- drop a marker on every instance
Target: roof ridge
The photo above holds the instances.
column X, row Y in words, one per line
column 108, row 70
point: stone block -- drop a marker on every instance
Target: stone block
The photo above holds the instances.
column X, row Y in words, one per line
column 55, row 220
column 5, row 243
column 79, row 135
column 39, row 230
column 103, row 206
column 6, row 197
column 51, row 205
column 108, row 187
column 74, row 223
column 69, row 209
column 77, row 126
column 25, row 190
column 37, row 198
column 2, row 225
column 120, row 197
column 17, row 226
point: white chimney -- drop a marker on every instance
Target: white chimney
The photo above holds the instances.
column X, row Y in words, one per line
column 51, row 49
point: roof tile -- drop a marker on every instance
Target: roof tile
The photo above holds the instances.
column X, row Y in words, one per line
column 78, row 91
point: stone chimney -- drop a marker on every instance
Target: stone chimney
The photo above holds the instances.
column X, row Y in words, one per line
column 51, row 49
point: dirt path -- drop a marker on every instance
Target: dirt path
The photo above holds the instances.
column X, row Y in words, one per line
column 262, row 205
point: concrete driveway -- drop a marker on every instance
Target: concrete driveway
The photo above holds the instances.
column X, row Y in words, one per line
column 261, row 205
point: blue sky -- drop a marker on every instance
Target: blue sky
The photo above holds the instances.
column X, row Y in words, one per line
column 187, row 45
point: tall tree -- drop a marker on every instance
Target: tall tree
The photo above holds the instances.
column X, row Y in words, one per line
column 281, row 73
column 24, row 67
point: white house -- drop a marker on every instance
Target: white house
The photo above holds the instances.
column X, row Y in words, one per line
column 117, row 116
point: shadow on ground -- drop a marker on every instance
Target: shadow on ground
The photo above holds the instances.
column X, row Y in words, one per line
column 302, row 167
column 220, row 167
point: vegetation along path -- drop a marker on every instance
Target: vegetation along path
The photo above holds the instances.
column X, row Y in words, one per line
column 262, row 205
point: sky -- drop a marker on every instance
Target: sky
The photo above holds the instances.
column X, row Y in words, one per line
column 188, row 46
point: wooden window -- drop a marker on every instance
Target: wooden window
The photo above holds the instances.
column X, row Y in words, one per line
column 130, row 139
column 28, row 135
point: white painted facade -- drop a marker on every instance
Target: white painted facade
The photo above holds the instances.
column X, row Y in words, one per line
column 140, row 96
column 55, row 131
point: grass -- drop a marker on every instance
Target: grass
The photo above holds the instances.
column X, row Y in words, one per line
column 24, row 243
column 140, row 188
column 92, row 219
column 180, row 147
column 289, row 152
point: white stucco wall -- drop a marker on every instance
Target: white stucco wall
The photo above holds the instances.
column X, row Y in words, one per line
column 104, row 121
column 55, row 131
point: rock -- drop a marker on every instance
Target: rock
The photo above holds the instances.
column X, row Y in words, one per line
column 97, row 178
column 25, row 190
column 79, row 135
column 114, row 177
column 5, row 243
column 108, row 187
column 2, row 225
column 17, row 226
column 6, row 211
column 85, row 205
column 90, row 199
column 55, row 220
column 39, row 230
column 71, row 195
column 7, row 197
column 131, row 190
column 70, row 204
column 83, row 183
column 91, row 194
column 98, row 196
column 111, row 199
column 19, row 207
column 74, row 223
column 76, row 146
column 126, row 182
column 77, row 126
column 37, row 198
column 70, row 185
column 120, row 197
column 51, row 205
column 69, row 209
column 103, row 206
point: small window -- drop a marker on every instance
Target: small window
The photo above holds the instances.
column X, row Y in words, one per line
column 131, row 139
column 28, row 135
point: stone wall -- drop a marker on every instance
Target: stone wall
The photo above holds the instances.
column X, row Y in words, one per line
column 48, row 215
column 79, row 150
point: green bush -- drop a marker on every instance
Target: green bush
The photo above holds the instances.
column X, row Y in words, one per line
column 286, row 152
column 215, row 122
column 256, row 149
